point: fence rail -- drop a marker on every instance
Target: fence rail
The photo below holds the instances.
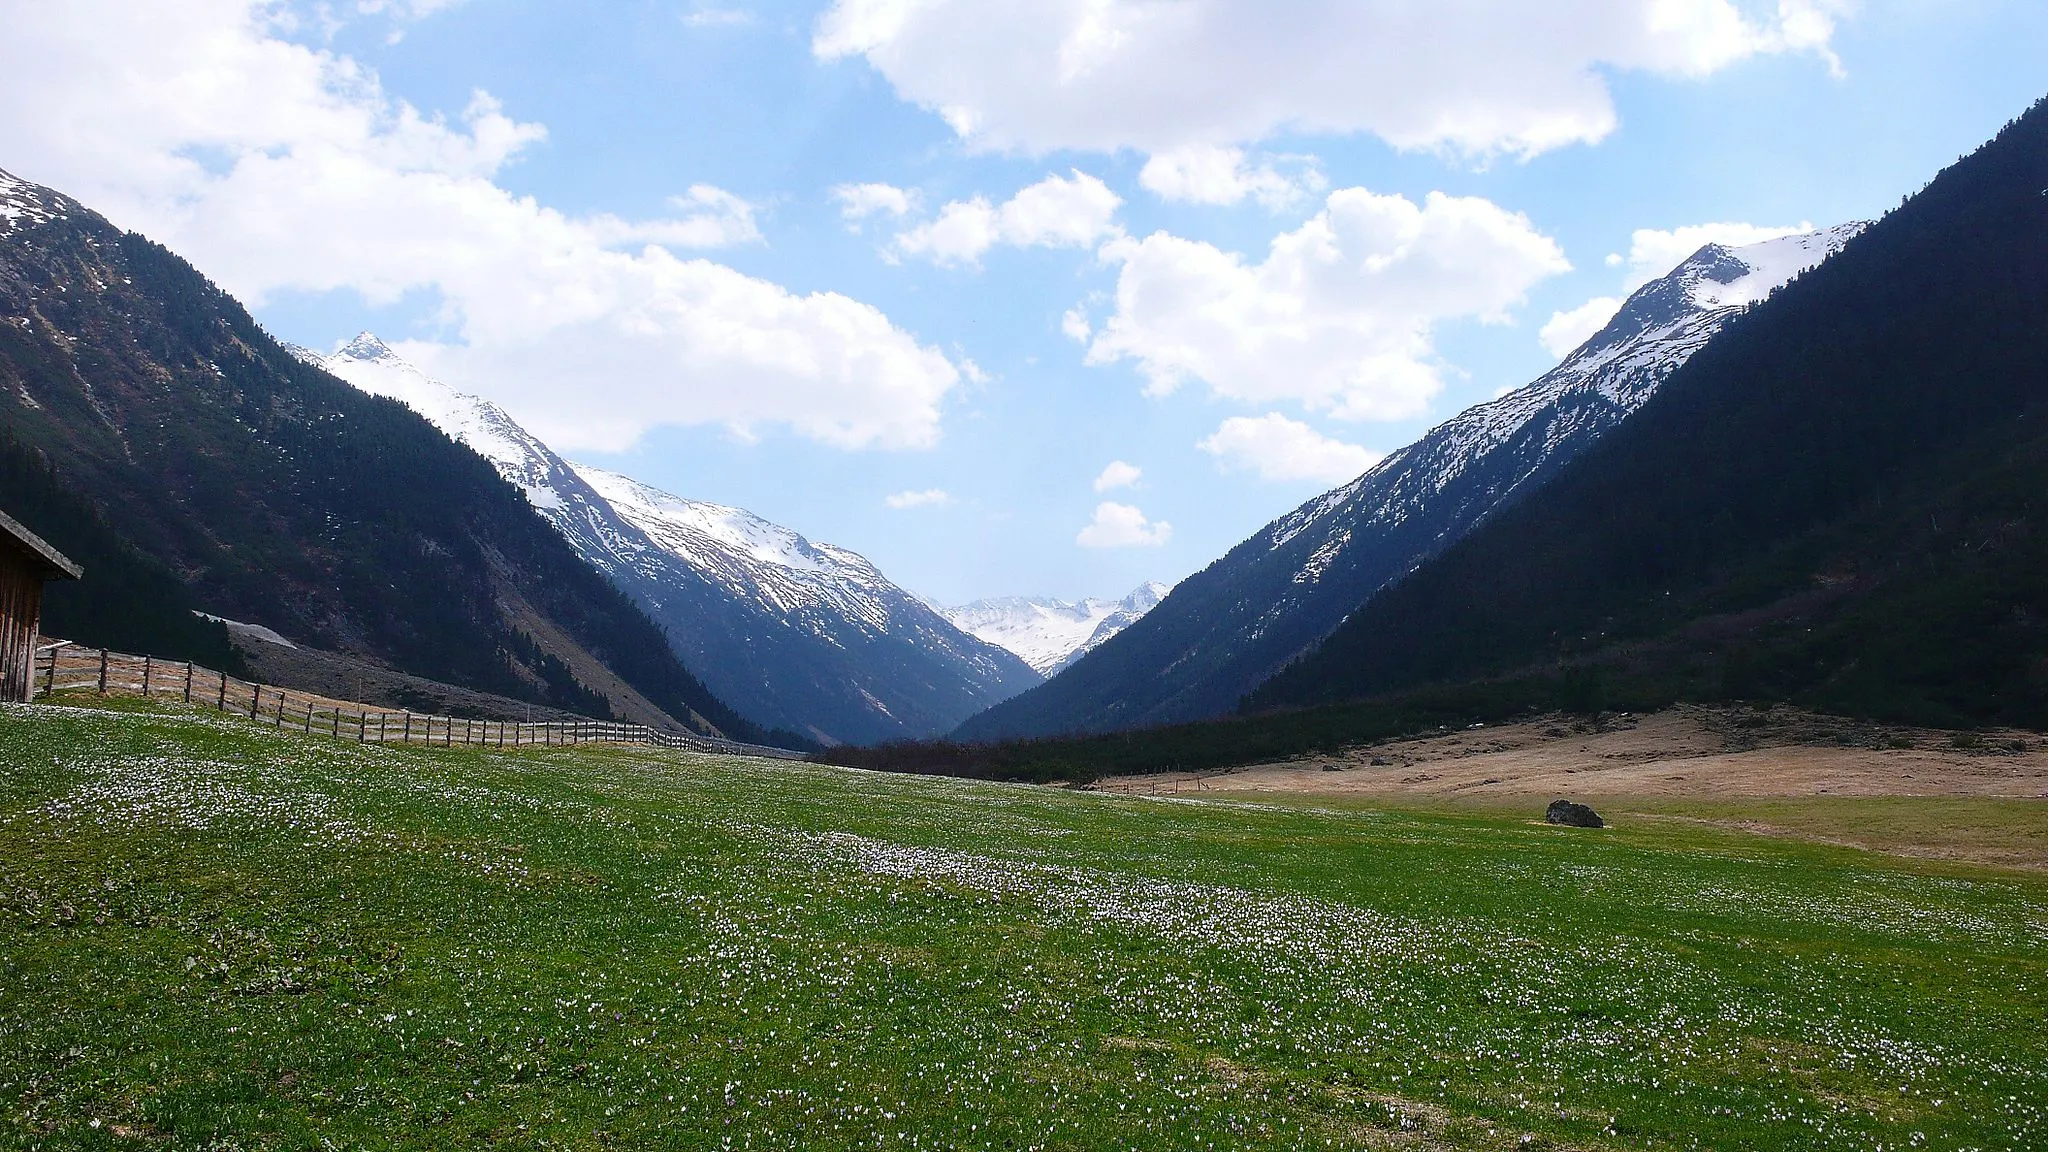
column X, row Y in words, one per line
column 63, row 666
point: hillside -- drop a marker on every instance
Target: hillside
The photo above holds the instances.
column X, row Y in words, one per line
column 1837, row 503
column 125, row 600
column 283, row 497
column 1228, row 628
column 793, row 634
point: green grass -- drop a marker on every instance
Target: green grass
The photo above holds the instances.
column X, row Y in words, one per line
column 214, row 936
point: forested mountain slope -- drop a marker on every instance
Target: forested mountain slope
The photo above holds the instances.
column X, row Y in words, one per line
column 1837, row 502
column 282, row 496
column 125, row 600
column 1226, row 629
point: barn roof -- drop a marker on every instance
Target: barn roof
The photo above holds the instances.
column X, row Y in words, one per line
column 15, row 538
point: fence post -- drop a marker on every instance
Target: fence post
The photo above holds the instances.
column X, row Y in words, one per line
column 408, row 726
column 280, row 709
column 188, row 681
column 255, row 697
column 221, row 704
column 309, row 716
column 337, row 723
column 50, row 685
column 103, row 671
column 146, row 669
column 362, row 725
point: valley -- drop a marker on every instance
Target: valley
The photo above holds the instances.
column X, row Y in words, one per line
column 1546, row 506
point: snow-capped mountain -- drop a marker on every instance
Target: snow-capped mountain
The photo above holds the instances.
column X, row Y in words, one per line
column 1226, row 629
column 1050, row 634
column 795, row 635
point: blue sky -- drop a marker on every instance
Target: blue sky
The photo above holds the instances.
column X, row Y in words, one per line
column 335, row 166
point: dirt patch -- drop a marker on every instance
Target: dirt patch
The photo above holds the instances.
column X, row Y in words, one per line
column 1708, row 753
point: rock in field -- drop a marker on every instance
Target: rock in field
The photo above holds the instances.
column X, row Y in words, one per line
column 1572, row 815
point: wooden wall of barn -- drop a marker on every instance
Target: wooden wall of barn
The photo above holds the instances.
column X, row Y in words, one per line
column 21, row 603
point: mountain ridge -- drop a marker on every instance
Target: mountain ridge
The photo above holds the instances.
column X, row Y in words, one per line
column 1845, row 507
column 1049, row 633
column 1225, row 630
column 798, row 635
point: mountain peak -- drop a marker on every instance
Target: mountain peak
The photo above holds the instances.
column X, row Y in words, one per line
column 366, row 346
column 1049, row 633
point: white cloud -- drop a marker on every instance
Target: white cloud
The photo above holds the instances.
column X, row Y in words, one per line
column 1074, row 325
column 857, row 202
column 1567, row 330
column 718, row 18
column 1653, row 252
column 276, row 167
column 1340, row 314
column 404, row 9
column 1056, row 212
column 707, row 217
column 1281, row 449
column 1212, row 174
column 930, row 497
column 1122, row 526
column 1482, row 78
column 1118, row 475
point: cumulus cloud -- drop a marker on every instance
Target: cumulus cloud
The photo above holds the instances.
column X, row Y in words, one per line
column 1339, row 315
column 1568, row 329
column 1118, row 475
column 1653, row 252
column 276, row 167
column 1277, row 448
column 857, row 202
column 1122, row 526
column 707, row 217
column 1472, row 76
column 1213, row 174
column 1056, row 212
column 927, row 498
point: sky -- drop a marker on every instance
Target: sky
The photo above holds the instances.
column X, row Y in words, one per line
column 1014, row 297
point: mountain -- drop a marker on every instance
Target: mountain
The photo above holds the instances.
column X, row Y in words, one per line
column 1228, row 628
column 1051, row 634
column 1839, row 502
column 796, row 635
column 282, row 496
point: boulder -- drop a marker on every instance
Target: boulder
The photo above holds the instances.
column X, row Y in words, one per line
column 1572, row 815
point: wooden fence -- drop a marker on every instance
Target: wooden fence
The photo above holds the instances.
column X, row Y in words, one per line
column 64, row 666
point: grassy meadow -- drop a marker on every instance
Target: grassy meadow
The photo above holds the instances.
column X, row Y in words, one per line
column 215, row 936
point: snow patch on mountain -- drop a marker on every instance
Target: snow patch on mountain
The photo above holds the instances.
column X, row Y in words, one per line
column 754, row 559
column 24, row 203
column 1049, row 634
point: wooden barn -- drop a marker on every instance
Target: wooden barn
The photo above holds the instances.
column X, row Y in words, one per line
column 26, row 563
